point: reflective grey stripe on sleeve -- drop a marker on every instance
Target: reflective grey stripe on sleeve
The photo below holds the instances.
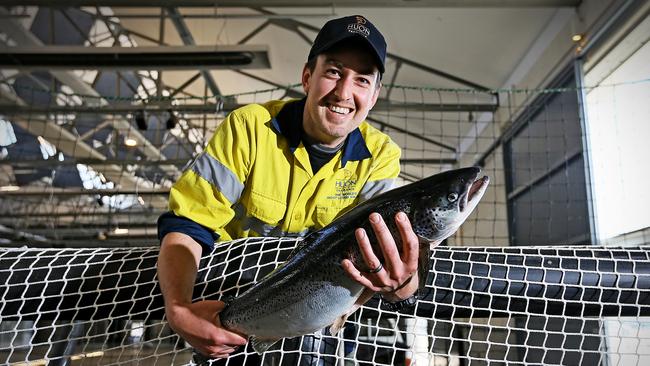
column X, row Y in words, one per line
column 373, row 188
column 260, row 227
column 252, row 223
column 219, row 176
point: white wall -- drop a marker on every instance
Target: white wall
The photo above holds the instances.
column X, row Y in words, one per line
column 618, row 116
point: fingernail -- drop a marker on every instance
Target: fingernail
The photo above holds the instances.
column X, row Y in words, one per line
column 361, row 233
column 375, row 218
column 401, row 216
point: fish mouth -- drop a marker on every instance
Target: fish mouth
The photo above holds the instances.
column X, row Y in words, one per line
column 478, row 186
column 475, row 193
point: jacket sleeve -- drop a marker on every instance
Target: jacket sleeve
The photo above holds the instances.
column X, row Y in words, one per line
column 214, row 182
column 168, row 223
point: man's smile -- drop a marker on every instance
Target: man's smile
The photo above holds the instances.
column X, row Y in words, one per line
column 338, row 109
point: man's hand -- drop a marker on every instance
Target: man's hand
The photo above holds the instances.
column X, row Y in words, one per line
column 398, row 279
column 198, row 324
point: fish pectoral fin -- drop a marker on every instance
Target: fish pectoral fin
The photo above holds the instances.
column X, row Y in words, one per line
column 338, row 323
column 366, row 295
column 424, row 263
column 262, row 345
column 423, row 239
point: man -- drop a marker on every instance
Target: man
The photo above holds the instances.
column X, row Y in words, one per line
column 285, row 169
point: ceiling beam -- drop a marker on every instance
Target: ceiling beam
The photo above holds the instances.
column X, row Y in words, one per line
column 294, row 25
column 24, row 37
column 440, row 73
column 207, row 108
column 79, row 214
column 301, row 4
column 66, row 231
column 70, row 144
column 53, row 162
column 383, row 125
column 188, row 40
column 289, row 91
column 140, row 58
column 125, row 189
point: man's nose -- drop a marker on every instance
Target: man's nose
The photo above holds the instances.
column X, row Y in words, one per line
column 344, row 88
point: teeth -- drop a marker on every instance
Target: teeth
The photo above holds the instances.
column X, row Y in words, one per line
column 341, row 110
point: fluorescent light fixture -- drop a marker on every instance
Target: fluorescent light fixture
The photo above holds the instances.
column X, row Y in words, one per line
column 66, row 57
column 87, row 355
column 119, row 231
column 130, row 141
column 9, row 188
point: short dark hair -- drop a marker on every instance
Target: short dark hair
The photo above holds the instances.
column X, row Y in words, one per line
column 348, row 43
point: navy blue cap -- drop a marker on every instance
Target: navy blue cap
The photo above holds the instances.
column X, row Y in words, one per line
column 337, row 30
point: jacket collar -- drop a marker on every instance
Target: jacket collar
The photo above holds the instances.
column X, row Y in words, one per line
column 288, row 123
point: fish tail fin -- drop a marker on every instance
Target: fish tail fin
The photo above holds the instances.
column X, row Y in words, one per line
column 262, row 345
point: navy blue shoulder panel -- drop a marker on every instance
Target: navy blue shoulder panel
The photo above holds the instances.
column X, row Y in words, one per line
column 168, row 222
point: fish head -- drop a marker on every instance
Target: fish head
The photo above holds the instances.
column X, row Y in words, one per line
column 444, row 201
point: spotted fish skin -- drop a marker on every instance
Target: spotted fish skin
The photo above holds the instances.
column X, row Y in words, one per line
column 310, row 291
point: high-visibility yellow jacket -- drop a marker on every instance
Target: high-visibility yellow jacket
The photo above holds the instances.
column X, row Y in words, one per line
column 255, row 178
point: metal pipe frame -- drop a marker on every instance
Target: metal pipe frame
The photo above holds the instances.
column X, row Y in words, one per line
column 302, row 4
column 227, row 105
column 129, row 58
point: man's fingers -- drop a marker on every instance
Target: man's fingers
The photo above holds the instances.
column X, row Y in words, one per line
column 221, row 351
column 410, row 242
column 398, row 268
column 367, row 253
column 354, row 273
column 386, row 241
column 230, row 339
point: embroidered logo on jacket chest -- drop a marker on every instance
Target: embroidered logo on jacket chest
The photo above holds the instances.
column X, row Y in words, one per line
column 345, row 187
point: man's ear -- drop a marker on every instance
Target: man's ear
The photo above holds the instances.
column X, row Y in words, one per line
column 306, row 76
column 375, row 95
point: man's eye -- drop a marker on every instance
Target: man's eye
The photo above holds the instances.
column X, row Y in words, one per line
column 333, row 72
column 364, row 81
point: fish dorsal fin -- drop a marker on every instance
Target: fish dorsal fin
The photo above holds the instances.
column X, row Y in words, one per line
column 262, row 345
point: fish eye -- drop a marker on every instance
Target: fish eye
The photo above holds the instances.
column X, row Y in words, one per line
column 452, row 197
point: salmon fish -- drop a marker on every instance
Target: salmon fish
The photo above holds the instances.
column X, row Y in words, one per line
column 311, row 291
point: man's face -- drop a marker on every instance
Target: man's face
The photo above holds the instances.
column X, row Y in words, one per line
column 341, row 90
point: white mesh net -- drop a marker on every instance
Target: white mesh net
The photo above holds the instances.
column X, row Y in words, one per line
column 565, row 305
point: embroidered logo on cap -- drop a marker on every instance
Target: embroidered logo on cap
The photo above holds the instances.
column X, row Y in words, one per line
column 359, row 27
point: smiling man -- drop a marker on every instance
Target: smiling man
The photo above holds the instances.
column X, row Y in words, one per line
column 286, row 168
column 342, row 86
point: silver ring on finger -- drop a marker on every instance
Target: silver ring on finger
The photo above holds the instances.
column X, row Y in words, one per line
column 377, row 269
